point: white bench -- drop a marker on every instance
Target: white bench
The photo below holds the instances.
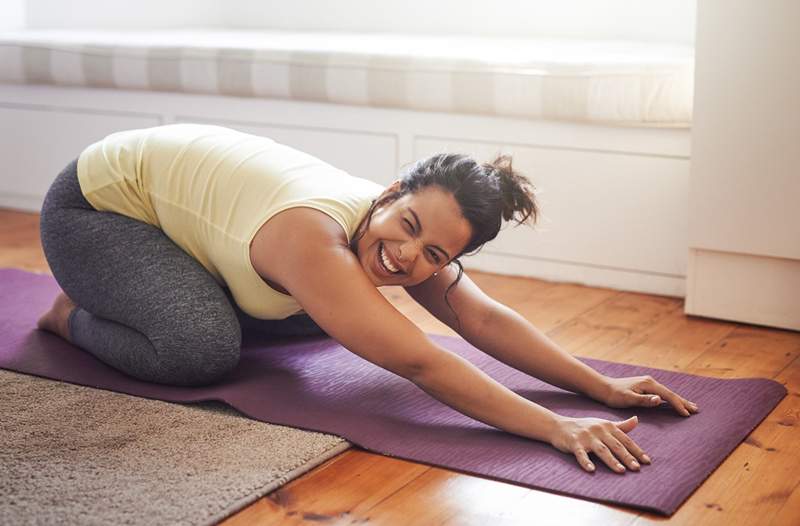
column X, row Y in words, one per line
column 601, row 127
column 609, row 82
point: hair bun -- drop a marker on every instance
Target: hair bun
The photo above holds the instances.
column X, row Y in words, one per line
column 519, row 199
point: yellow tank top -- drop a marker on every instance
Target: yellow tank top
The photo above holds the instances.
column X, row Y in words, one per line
column 210, row 189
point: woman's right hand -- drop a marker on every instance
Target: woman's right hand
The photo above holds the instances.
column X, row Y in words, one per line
column 608, row 440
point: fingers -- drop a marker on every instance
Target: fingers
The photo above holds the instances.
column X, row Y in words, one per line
column 613, row 447
column 673, row 400
column 691, row 407
column 621, row 452
column 605, row 454
column 681, row 405
column 631, row 446
column 646, row 400
column 629, row 424
column 583, row 460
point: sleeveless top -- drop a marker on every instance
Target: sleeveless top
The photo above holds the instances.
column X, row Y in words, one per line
column 210, row 189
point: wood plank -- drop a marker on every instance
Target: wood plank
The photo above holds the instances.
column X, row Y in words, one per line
column 550, row 509
column 789, row 514
column 440, row 496
column 508, row 289
column 671, row 343
column 560, row 303
column 748, row 351
column 595, row 333
column 21, row 248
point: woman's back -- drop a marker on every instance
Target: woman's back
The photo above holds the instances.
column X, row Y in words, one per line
column 210, row 189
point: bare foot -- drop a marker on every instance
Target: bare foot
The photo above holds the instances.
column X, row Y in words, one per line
column 55, row 320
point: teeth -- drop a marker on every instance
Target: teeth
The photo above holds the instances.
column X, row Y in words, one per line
column 388, row 263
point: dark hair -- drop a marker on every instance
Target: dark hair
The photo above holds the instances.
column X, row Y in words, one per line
column 487, row 193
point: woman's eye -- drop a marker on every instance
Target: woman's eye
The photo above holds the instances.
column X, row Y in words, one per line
column 433, row 255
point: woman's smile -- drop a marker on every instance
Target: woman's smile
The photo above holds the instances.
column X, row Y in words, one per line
column 384, row 263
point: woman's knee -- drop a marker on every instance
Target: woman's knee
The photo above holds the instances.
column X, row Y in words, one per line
column 200, row 358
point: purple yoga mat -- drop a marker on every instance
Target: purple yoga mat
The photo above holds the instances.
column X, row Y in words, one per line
column 316, row 384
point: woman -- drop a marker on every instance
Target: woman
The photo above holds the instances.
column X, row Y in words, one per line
column 168, row 241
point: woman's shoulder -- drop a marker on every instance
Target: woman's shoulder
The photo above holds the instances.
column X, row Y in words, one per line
column 298, row 229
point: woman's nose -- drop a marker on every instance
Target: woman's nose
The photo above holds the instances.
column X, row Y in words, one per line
column 408, row 251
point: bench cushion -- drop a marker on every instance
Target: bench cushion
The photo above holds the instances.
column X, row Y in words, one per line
column 608, row 82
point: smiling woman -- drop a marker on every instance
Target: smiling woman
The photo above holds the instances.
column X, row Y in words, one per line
column 169, row 241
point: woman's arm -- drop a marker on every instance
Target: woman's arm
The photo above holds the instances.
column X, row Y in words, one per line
column 504, row 334
column 306, row 253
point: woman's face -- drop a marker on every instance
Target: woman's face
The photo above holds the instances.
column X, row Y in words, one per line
column 412, row 237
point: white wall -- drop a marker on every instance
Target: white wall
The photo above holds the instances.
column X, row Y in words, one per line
column 641, row 20
column 12, row 14
column 648, row 20
column 123, row 14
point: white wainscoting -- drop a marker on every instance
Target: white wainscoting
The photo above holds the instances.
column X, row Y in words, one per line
column 614, row 198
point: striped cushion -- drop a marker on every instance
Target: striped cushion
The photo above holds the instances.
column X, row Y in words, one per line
column 610, row 82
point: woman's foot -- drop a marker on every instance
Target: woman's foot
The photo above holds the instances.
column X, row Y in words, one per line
column 55, row 320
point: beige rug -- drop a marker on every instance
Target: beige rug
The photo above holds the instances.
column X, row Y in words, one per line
column 76, row 455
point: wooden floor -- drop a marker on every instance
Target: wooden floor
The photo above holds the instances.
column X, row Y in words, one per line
column 757, row 484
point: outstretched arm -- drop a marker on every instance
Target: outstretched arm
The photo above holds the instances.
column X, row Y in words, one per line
column 314, row 263
column 504, row 334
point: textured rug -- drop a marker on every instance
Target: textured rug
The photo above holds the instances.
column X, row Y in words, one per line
column 75, row 455
column 317, row 385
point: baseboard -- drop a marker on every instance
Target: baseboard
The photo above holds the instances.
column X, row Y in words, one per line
column 580, row 273
column 23, row 202
column 744, row 287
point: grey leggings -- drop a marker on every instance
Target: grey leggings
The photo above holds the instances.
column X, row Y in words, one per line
column 145, row 307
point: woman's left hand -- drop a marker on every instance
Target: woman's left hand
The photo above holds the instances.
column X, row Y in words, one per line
column 644, row 391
